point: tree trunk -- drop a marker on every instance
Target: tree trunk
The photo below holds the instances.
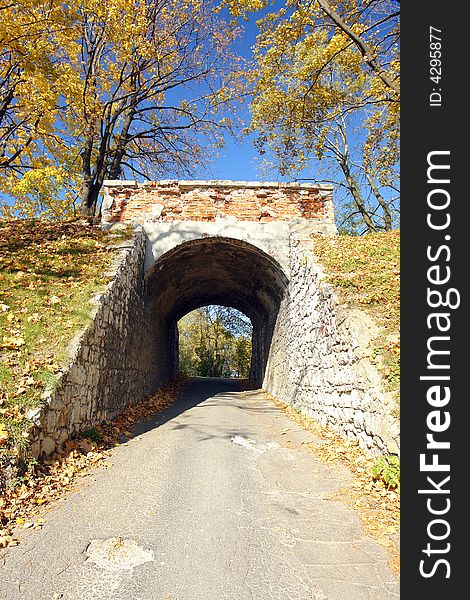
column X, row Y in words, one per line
column 383, row 203
column 89, row 197
column 356, row 194
column 121, row 145
column 107, row 164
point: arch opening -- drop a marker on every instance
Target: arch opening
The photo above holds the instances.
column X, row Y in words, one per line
column 214, row 271
column 215, row 341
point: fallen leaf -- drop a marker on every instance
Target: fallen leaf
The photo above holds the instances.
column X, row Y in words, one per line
column 12, row 343
column 3, row 435
column 87, row 445
column 5, row 540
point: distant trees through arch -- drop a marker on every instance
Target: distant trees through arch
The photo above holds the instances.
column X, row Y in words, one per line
column 215, row 341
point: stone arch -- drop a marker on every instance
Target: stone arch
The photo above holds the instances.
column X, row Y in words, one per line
column 214, row 270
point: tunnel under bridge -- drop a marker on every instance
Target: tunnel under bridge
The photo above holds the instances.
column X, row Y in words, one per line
column 226, row 243
column 245, row 245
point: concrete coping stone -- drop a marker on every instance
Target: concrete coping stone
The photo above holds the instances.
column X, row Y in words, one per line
column 216, row 183
column 120, row 183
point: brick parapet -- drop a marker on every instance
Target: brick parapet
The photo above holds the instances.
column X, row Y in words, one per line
column 198, row 200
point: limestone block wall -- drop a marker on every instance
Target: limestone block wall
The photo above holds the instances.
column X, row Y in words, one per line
column 113, row 363
column 318, row 359
column 170, row 200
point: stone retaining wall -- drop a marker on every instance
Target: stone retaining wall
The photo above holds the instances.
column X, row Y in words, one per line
column 113, row 363
column 318, row 359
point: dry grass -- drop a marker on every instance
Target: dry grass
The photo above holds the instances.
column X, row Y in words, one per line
column 48, row 273
column 366, row 272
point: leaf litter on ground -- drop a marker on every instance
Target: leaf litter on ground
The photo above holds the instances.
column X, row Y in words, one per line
column 23, row 505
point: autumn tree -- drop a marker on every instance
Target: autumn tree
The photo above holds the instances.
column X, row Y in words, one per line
column 24, row 61
column 215, row 341
column 149, row 82
column 102, row 90
column 30, row 82
column 242, row 356
column 327, row 95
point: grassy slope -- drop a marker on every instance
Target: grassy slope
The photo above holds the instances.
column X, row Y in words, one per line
column 366, row 272
column 48, row 273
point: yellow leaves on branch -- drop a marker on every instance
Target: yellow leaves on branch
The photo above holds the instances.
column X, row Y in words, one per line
column 38, row 192
column 26, row 66
column 311, row 70
column 74, row 73
column 240, row 8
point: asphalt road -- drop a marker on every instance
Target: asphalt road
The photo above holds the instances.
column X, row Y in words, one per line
column 215, row 499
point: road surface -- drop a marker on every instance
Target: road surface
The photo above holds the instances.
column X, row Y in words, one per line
column 214, row 499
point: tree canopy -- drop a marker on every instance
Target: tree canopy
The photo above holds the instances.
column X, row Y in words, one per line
column 327, row 95
column 29, row 96
column 98, row 90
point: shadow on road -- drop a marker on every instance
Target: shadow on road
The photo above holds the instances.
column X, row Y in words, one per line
column 198, row 390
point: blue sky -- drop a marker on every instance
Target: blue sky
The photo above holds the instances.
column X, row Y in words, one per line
column 239, row 160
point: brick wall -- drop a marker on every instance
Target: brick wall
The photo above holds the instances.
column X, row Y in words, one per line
column 207, row 200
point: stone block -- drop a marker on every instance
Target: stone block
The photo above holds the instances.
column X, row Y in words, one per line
column 48, row 446
column 63, row 436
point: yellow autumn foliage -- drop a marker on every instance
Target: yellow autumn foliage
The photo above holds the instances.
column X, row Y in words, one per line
column 87, row 85
column 320, row 64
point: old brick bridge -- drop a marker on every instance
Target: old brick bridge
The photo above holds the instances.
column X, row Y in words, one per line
column 241, row 244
